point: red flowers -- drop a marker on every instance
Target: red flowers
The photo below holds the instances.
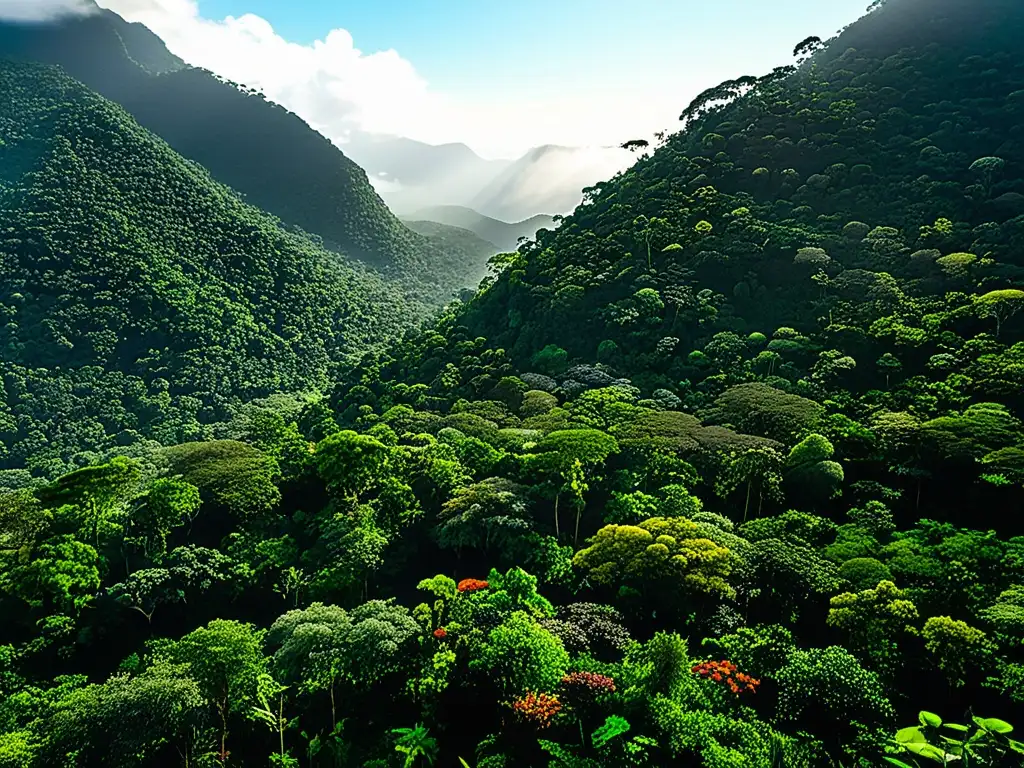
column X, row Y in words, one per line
column 537, row 708
column 725, row 671
column 472, row 585
column 585, row 687
column 440, row 633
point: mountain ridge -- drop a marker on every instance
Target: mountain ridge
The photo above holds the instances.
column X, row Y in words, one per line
column 259, row 148
column 504, row 235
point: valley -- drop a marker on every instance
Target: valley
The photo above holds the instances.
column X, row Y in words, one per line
column 715, row 461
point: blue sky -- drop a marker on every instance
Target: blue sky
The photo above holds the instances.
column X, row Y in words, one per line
column 463, row 46
column 499, row 75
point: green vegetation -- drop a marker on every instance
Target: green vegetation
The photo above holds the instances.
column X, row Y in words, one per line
column 140, row 299
column 724, row 471
column 258, row 148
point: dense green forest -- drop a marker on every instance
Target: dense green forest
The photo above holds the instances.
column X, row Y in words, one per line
column 723, row 471
column 258, row 148
column 143, row 301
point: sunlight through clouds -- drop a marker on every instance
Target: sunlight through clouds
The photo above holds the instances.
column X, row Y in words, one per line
column 338, row 88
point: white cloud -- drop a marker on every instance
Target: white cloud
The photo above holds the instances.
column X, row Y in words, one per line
column 43, row 10
column 338, row 88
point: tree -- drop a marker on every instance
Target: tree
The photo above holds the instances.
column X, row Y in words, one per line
column 874, row 620
column 350, row 463
column 1000, row 305
column 226, row 659
column 521, row 656
column 810, row 469
column 667, row 550
column 380, row 642
column 98, row 491
column 759, row 469
column 312, row 648
column 237, row 477
column 168, row 503
column 125, row 720
column 956, row 646
column 491, row 512
column 62, row 576
column 570, row 455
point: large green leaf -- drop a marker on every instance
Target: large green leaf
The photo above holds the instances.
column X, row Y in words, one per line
column 994, row 725
column 930, row 719
column 910, row 735
column 927, row 751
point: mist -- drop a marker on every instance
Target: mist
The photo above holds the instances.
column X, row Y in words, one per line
column 44, row 10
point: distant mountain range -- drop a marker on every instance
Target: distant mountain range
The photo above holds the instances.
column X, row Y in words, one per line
column 267, row 154
column 503, row 235
column 410, row 176
column 279, row 163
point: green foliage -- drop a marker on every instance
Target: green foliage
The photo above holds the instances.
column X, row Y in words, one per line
column 772, row 374
column 520, row 656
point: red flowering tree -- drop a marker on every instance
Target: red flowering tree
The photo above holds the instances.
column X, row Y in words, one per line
column 725, row 672
column 440, row 633
column 537, row 709
column 583, row 688
column 472, row 585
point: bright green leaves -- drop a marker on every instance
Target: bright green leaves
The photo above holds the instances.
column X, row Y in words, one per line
column 521, row 656
column 669, row 551
column 351, row 463
column 953, row 743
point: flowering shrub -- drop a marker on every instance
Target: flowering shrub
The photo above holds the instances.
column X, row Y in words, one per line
column 725, row 672
column 472, row 585
column 440, row 633
column 585, row 687
column 537, row 708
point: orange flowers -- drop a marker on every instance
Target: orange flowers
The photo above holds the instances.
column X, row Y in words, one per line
column 537, row 708
column 440, row 633
column 472, row 585
column 725, row 671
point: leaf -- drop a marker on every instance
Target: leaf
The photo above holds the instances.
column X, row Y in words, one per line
column 930, row 719
column 927, row 751
column 464, row 763
column 613, row 727
column 910, row 735
column 898, row 763
column 956, row 727
column 673, row 247
column 995, row 725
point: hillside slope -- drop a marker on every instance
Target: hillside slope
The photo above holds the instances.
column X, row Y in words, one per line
column 258, row 148
column 850, row 232
column 503, row 234
column 142, row 298
column 725, row 472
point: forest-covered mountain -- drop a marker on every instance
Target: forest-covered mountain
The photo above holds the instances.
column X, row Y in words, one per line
column 260, row 149
column 505, row 235
column 141, row 298
column 724, row 472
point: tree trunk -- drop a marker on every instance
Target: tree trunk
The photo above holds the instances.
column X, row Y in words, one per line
column 557, row 531
column 281, row 724
column 576, row 534
column 222, row 710
column 746, row 506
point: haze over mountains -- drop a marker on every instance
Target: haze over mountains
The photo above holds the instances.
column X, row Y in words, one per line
column 411, row 175
column 120, row 59
column 725, row 470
